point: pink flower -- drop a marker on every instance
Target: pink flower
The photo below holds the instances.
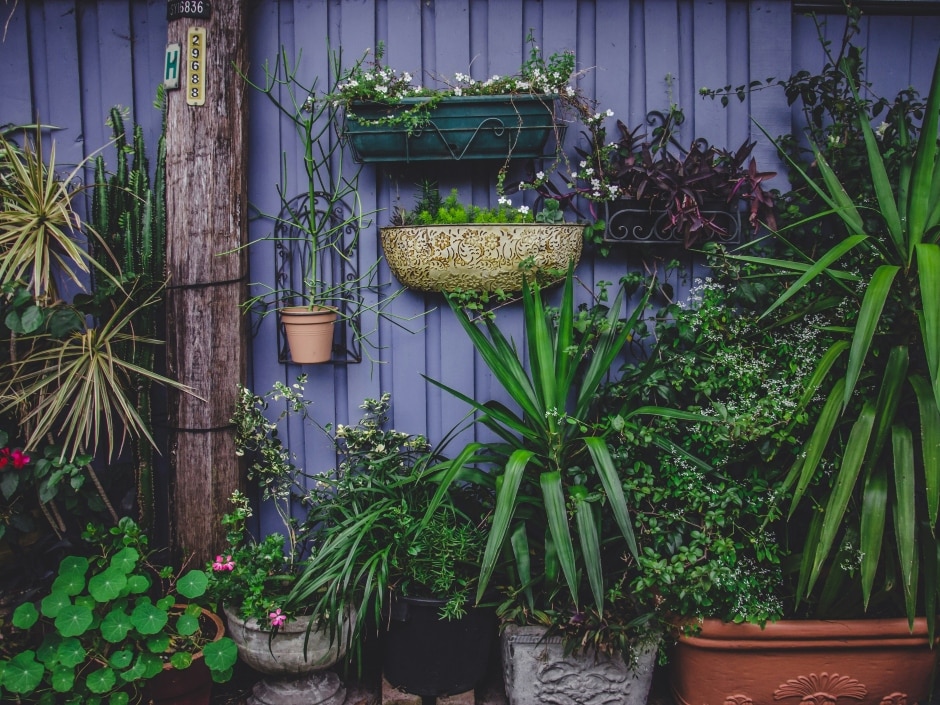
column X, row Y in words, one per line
column 277, row 617
column 223, row 563
column 17, row 457
column 20, row 459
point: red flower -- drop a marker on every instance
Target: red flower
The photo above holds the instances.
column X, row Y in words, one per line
column 17, row 457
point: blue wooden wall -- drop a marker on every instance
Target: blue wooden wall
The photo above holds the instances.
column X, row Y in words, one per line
column 66, row 62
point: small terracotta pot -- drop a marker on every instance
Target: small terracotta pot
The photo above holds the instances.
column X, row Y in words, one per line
column 309, row 333
column 861, row 662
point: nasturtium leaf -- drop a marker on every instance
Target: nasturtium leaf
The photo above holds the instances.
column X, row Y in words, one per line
column 115, row 626
column 121, row 659
column 148, row 619
column 70, row 652
column 220, row 655
column 48, row 651
column 136, row 584
column 73, row 620
column 151, row 663
column 70, row 582
column 125, row 560
column 119, row 698
column 108, row 585
column 193, row 584
column 25, row 615
column 52, row 603
column 101, row 680
column 71, row 564
column 22, row 673
column 166, row 602
column 133, row 673
column 158, row 644
column 223, row 676
column 63, row 679
column 187, row 625
column 86, row 601
column 181, row 660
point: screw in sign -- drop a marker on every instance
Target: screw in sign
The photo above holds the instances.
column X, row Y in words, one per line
column 196, row 66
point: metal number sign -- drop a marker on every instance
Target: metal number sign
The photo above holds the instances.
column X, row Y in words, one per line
column 200, row 9
column 195, row 57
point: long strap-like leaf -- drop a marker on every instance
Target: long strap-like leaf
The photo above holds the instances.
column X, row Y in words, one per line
column 922, row 186
column 876, row 294
column 844, row 486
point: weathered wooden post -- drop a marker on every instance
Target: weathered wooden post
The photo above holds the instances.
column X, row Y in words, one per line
column 206, row 216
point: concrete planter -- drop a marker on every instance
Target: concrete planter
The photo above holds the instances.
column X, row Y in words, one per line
column 294, row 678
column 537, row 672
column 478, row 256
column 857, row 662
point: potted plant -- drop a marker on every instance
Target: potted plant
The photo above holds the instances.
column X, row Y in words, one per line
column 113, row 625
column 655, row 191
column 252, row 578
column 561, row 534
column 445, row 245
column 319, row 227
column 399, row 541
column 870, row 462
column 389, row 119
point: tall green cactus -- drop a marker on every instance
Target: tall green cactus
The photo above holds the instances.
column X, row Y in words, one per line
column 129, row 217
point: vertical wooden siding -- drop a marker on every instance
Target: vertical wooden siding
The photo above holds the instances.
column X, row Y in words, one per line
column 66, row 63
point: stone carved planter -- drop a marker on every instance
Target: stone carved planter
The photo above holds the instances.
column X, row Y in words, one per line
column 850, row 662
column 537, row 672
column 294, row 678
column 481, row 257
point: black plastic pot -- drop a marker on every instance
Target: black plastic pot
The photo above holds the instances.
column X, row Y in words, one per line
column 428, row 656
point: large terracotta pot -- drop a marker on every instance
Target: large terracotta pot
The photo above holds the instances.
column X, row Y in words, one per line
column 856, row 662
column 478, row 256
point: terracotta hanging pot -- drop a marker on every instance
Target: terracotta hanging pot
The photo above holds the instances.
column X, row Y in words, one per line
column 849, row 662
column 309, row 333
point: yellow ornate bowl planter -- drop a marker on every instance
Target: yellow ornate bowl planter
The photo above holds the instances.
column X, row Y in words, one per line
column 481, row 257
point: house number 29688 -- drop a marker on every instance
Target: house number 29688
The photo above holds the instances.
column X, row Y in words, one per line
column 196, row 66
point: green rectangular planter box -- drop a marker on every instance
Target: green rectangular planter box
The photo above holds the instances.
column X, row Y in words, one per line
column 461, row 127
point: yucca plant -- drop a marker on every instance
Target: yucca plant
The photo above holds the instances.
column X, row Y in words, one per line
column 556, row 483
column 880, row 420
